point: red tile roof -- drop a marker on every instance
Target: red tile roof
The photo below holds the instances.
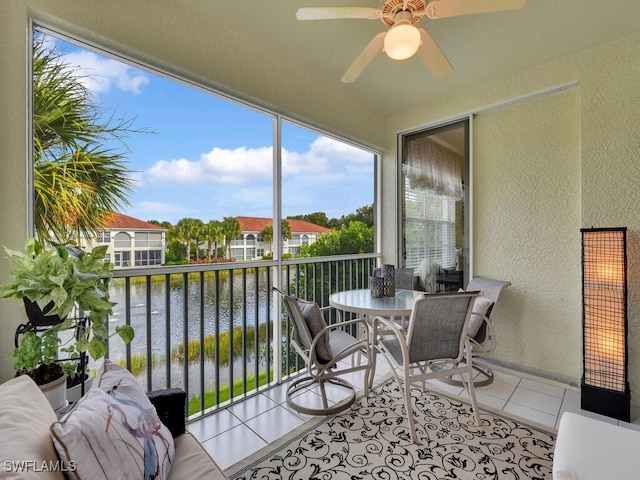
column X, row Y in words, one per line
column 124, row 222
column 257, row 224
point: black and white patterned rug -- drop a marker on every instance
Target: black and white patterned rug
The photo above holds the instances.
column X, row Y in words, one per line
column 371, row 441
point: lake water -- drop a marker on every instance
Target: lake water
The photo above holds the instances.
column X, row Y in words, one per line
column 219, row 308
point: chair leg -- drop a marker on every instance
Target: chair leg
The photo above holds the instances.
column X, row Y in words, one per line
column 370, row 373
column 299, row 385
column 472, row 394
column 323, row 394
column 484, row 376
column 409, row 408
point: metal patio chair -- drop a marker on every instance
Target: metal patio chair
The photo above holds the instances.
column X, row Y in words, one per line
column 481, row 333
column 482, row 338
column 437, row 332
column 323, row 347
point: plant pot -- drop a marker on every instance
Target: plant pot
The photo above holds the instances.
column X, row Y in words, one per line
column 38, row 316
column 56, row 392
column 75, row 393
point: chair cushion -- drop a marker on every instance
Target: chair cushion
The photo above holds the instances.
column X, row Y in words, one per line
column 192, row 461
column 115, row 428
column 25, row 418
column 315, row 322
column 481, row 306
column 590, row 449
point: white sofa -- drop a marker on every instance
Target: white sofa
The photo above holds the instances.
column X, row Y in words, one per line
column 27, row 450
column 589, row 449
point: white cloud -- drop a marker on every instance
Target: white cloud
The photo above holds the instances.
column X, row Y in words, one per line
column 100, row 74
column 217, row 166
column 325, row 157
column 328, row 147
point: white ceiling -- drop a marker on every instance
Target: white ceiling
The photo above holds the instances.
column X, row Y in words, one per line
column 480, row 47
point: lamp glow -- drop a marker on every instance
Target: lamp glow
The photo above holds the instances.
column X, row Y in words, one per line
column 402, row 41
column 605, row 387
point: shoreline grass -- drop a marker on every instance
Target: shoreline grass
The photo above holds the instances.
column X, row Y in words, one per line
column 210, row 398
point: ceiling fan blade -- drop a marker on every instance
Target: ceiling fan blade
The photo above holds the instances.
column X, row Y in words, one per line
column 326, row 13
column 453, row 8
column 430, row 53
column 360, row 63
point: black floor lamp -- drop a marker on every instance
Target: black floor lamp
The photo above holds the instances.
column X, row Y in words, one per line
column 605, row 385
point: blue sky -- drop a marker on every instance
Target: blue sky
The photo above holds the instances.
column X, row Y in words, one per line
column 210, row 157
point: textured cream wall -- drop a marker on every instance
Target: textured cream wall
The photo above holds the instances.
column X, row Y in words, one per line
column 13, row 180
column 610, row 135
column 559, row 163
column 526, row 193
column 149, row 30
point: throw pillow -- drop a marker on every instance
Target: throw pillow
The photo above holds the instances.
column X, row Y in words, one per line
column 480, row 307
column 114, row 431
column 25, row 417
column 315, row 322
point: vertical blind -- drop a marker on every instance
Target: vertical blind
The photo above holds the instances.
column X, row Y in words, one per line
column 430, row 228
column 432, row 185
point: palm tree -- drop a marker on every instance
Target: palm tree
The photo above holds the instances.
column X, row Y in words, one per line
column 187, row 230
column 231, row 230
column 197, row 234
column 172, row 233
column 212, row 234
column 267, row 234
column 78, row 181
column 285, row 230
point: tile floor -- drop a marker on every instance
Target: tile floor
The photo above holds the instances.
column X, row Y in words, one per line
column 238, row 431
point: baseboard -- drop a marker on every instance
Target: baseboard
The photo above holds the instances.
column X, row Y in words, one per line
column 534, row 372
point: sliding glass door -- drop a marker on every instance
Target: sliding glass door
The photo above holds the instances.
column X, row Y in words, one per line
column 434, row 192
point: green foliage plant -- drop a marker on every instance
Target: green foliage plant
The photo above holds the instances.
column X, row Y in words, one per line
column 35, row 350
column 75, row 282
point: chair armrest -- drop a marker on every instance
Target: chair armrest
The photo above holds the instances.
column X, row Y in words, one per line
column 484, row 342
column 170, row 406
column 388, row 326
column 339, row 325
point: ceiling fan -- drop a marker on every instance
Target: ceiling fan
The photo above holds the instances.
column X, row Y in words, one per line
column 403, row 39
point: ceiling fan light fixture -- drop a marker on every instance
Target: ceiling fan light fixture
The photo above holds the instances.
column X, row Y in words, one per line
column 402, row 41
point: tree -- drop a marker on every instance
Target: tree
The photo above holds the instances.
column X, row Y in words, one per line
column 187, row 229
column 231, row 230
column 354, row 238
column 285, row 230
column 163, row 224
column 317, row 218
column 212, row 234
column 363, row 214
column 176, row 253
column 198, row 236
column 77, row 180
column 267, row 234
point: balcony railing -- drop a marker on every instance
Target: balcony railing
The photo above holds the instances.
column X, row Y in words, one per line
column 211, row 329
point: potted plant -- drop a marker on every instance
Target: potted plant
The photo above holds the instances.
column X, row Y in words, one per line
column 70, row 283
column 35, row 356
column 77, row 380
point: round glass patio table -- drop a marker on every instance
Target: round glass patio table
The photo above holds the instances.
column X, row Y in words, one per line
column 361, row 302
